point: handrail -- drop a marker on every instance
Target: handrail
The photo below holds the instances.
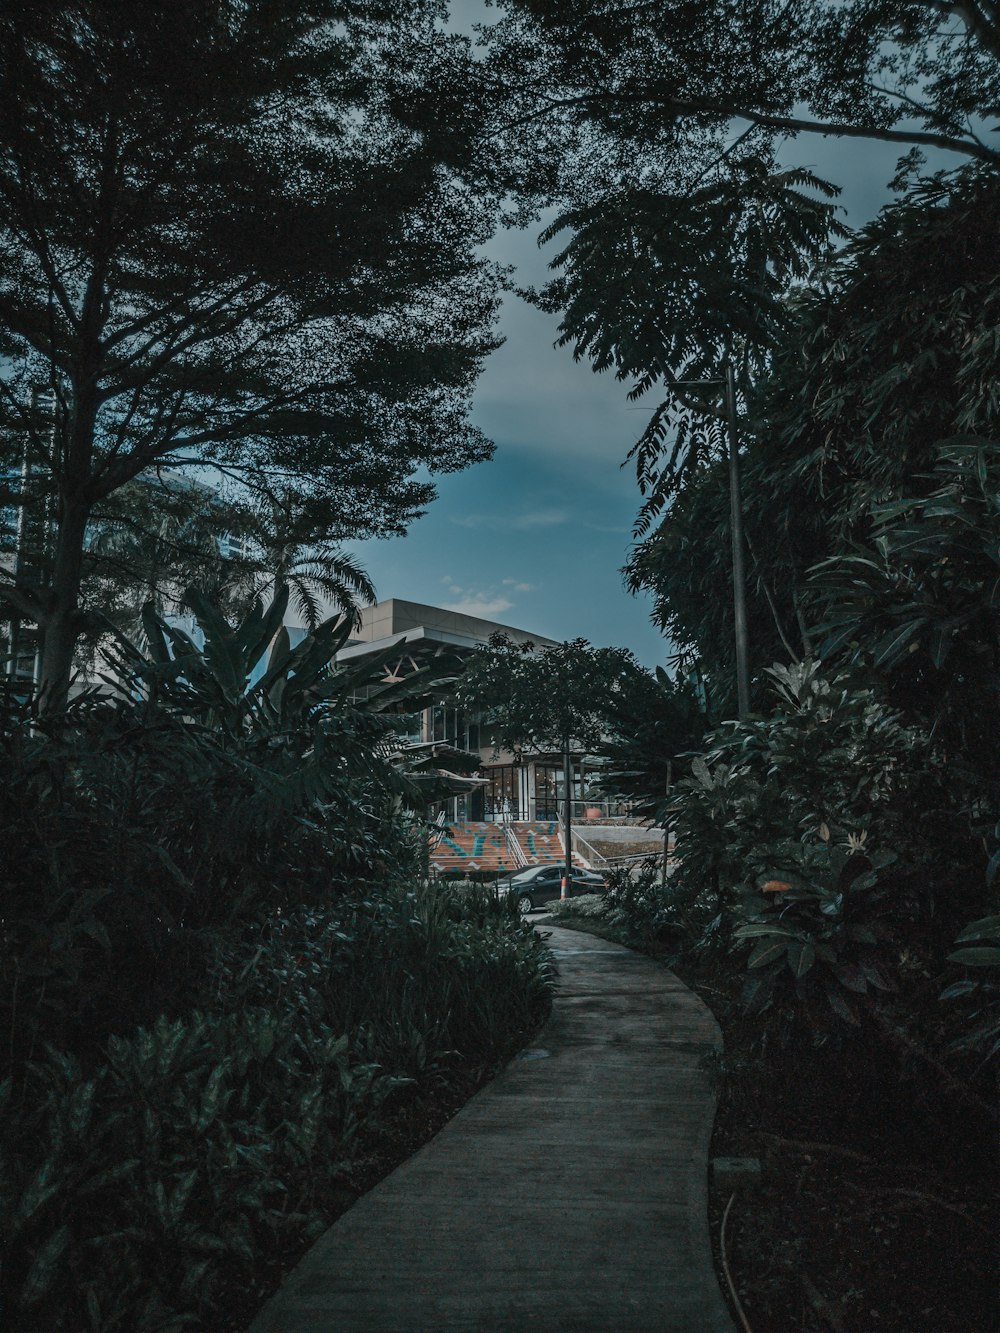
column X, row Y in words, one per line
column 593, row 859
column 514, row 848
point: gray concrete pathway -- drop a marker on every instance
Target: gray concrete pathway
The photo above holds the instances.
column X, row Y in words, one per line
column 569, row 1194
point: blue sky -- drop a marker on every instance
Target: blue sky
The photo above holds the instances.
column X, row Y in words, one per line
column 537, row 537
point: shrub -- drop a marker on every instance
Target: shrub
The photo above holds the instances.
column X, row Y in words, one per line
column 819, row 798
column 634, row 899
column 184, row 1153
column 144, row 1190
column 132, row 831
column 821, row 932
column 454, row 876
column 586, row 905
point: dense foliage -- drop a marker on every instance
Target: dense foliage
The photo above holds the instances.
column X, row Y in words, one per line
column 233, row 234
column 143, row 1185
column 232, row 779
column 542, row 698
column 218, row 965
column 837, row 842
column 889, row 358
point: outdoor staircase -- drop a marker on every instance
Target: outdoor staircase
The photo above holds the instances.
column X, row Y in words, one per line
column 481, row 846
column 540, row 842
column 471, row 846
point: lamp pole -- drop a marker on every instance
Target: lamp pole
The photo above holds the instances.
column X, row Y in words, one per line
column 567, row 817
column 739, row 546
column 666, row 830
column 728, row 384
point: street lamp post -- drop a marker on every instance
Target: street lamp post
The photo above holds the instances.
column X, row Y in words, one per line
column 728, row 386
column 739, row 546
column 567, row 817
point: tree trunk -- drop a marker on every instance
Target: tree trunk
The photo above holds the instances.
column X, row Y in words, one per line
column 73, row 461
column 63, row 618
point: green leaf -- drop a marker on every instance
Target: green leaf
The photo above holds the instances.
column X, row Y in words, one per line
column 40, row 1190
column 256, row 632
column 959, row 988
column 891, row 647
column 982, row 957
column 179, row 1197
column 81, row 1107
column 863, row 934
column 801, row 956
column 45, row 1267
column 941, row 636
column 112, row 1176
column 842, row 1007
column 212, row 1096
column 767, row 953
column 985, row 928
column 752, row 930
column 867, row 880
column 851, row 976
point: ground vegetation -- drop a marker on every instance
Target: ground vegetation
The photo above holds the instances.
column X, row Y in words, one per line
column 836, row 851
column 227, row 998
column 544, row 698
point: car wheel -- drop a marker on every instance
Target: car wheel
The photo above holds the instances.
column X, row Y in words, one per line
column 524, row 903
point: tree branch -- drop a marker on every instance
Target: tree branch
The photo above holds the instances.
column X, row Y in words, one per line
column 791, row 124
column 980, row 25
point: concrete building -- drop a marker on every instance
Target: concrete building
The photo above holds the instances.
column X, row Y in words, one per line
column 526, row 787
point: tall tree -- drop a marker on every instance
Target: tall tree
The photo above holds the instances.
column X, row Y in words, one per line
column 554, row 699
column 655, row 128
column 867, row 477
column 285, row 540
column 232, row 232
column 652, row 89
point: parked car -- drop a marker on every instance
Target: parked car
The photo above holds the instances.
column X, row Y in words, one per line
column 541, row 884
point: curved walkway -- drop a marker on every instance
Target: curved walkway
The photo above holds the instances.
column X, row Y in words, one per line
column 569, row 1194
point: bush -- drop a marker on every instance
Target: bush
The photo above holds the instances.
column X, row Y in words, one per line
column 799, row 829
column 587, row 905
column 128, row 841
column 204, row 995
column 134, row 831
column 144, row 1191
column 182, row 1156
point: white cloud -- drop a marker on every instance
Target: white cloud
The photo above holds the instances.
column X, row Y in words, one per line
column 541, row 518
column 483, row 606
column 534, row 518
column 519, row 587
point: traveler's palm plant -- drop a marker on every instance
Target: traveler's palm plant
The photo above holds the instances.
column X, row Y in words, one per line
column 311, row 723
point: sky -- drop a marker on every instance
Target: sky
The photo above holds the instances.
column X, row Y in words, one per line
column 536, row 537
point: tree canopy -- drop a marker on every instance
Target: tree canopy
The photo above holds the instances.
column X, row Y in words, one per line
column 543, row 699
column 867, row 476
column 661, row 132
column 233, row 233
column 670, row 79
